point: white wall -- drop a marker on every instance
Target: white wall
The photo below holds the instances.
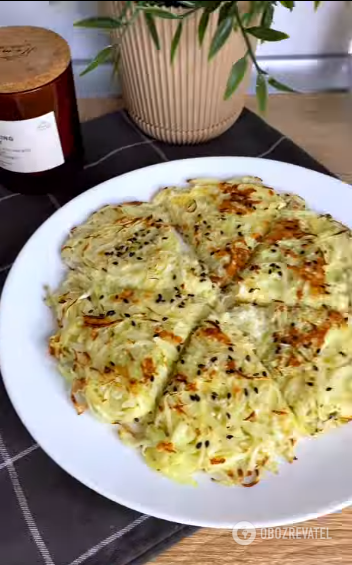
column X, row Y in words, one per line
column 327, row 32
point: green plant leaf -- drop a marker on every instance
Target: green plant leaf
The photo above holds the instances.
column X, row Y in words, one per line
column 149, row 20
column 289, row 5
column 279, row 85
column 268, row 16
column 236, row 75
column 267, row 34
column 261, row 91
column 202, row 28
column 176, row 40
column 100, row 23
column 224, row 11
column 317, row 4
column 100, row 58
column 221, row 35
column 160, row 13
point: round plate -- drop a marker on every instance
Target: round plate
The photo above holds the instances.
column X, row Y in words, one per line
column 318, row 483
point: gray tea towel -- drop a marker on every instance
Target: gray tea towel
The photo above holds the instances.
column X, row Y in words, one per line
column 46, row 516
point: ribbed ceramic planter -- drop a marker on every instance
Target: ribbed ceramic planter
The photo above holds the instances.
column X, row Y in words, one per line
column 181, row 102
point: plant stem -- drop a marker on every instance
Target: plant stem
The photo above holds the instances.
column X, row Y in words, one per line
column 247, row 42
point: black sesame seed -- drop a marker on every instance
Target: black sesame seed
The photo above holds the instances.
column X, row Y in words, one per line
column 115, row 263
column 199, row 372
column 328, row 388
column 343, row 354
column 175, row 389
column 178, row 348
column 245, row 392
column 256, row 390
column 207, row 443
column 230, row 348
column 131, row 254
column 270, row 271
column 182, row 362
column 136, row 419
column 229, row 436
column 213, row 359
column 127, row 315
column 90, row 311
column 318, row 351
column 152, row 378
column 112, row 363
column 315, row 368
column 310, row 384
column 228, row 395
column 264, row 373
column 125, row 300
column 228, row 415
column 248, row 357
column 230, row 371
column 110, row 313
column 229, row 358
column 133, row 323
column 214, row 395
column 199, row 445
column 139, row 258
column 100, row 297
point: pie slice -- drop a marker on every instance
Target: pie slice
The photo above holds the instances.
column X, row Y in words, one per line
column 221, row 412
column 224, row 221
column 117, row 350
column 304, row 259
column 309, row 353
column 131, row 246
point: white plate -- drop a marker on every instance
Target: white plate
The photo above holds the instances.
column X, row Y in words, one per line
column 318, row 483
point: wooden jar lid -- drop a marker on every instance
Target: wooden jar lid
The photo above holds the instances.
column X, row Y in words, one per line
column 30, row 57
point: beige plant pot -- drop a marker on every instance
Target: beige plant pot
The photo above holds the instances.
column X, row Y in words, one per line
column 181, row 102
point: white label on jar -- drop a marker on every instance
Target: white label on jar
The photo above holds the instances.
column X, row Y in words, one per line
column 30, row 146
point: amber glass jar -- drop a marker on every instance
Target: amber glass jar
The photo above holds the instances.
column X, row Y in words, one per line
column 40, row 141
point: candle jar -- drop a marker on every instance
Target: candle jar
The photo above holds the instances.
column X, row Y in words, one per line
column 40, row 140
